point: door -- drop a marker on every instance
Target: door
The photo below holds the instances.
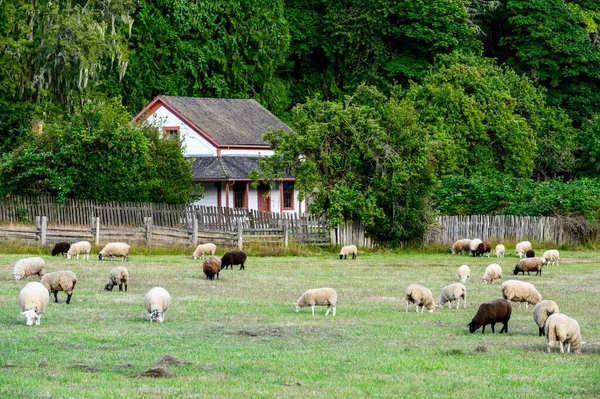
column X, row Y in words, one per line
column 264, row 197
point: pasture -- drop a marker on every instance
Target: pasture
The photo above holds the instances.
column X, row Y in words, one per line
column 239, row 336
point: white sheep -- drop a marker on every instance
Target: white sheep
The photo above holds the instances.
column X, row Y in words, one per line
column 318, row 297
column 473, row 245
column 156, row 302
column 115, row 249
column 492, row 272
column 552, row 256
column 82, row 247
column 520, row 291
column 500, row 250
column 63, row 280
column 530, row 265
column 118, row 276
column 464, row 272
column 420, row 296
column 560, row 327
column 33, row 300
column 522, row 247
column 542, row 311
column 28, row 267
column 202, row 249
column 348, row 250
column 453, row 292
column 460, row 246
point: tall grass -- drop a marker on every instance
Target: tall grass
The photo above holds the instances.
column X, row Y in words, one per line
column 239, row 336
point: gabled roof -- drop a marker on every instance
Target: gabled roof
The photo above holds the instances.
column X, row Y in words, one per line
column 225, row 168
column 223, row 121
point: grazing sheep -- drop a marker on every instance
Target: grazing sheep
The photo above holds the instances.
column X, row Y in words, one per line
column 492, row 272
column 473, row 245
column 560, row 327
column 500, row 249
column 542, row 311
column 460, row 246
column 529, row 265
column 212, row 267
column 118, row 276
column 63, row 280
column 28, row 267
column 115, row 249
column 497, row 311
column 522, row 247
column 453, row 292
column 464, row 272
column 420, row 296
column 530, row 253
column 156, row 302
column 552, row 256
column 203, row 249
column 484, row 248
column 82, row 247
column 348, row 250
column 318, row 297
column 61, row 248
column 33, row 300
column 519, row 291
column 233, row 258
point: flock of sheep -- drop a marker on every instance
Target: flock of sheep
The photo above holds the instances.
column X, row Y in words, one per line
column 34, row 297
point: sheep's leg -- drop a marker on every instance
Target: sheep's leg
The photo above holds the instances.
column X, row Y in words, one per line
column 334, row 310
column 328, row 309
column 493, row 324
column 69, row 298
column 55, row 297
column 354, row 256
column 313, row 309
column 450, row 306
column 562, row 349
column 504, row 328
column 125, row 287
column 407, row 306
column 483, row 330
column 541, row 332
column 465, row 300
column 37, row 321
column 120, row 287
column 241, row 267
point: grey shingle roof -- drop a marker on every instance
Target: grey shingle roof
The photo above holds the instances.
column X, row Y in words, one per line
column 224, row 168
column 227, row 121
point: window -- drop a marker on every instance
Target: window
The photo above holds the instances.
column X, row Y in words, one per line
column 288, row 195
column 171, row 133
column 239, row 195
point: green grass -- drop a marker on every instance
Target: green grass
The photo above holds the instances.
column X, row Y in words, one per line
column 240, row 337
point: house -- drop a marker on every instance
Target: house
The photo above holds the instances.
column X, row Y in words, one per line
column 224, row 138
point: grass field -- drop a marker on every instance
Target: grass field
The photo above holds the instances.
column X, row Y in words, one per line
column 239, row 337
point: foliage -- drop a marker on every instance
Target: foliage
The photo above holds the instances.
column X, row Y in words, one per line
column 500, row 194
column 364, row 159
column 97, row 154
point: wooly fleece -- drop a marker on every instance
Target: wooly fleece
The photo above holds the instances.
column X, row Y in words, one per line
column 348, row 250
column 552, row 256
column 520, row 291
column 500, row 250
column 156, row 302
column 82, row 247
column 28, row 267
column 61, row 248
column 542, row 311
column 118, row 276
column 453, row 292
column 115, row 249
column 202, row 249
column 522, row 247
column 473, row 245
column 212, row 267
column 420, row 296
column 460, row 246
column 492, row 272
column 464, row 272
column 318, row 297
column 529, row 265
column 63, row 280
column 233, row 258
column 33, row 300
column 565, row 330
column 497, row 311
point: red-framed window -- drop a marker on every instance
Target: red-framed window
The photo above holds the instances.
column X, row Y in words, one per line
column 171, row 133
column 240, row 195
column 287, row 195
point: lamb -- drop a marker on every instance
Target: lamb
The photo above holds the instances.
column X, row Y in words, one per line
column 118, row 249
column 28, row 267
column 484, row 248
column 453, row 292
column 552, row 256
column 61, row 248
column 500, row 249
column 318, row 297
column 530, row 254
column 519, row 291
column 82, row 247
column 212, row 267
column 496, row 311
column 420, row 296
column 560, row 327
column 33, row 300
column 464, row 272
column 491, row 273
column 529, row 265
column 473, row 245
column 203, row 249
column 522, row 247
column 156, row 302
column 542, row 311
column 348, row 250
column 233, row 258
column 460, row 246
column 63, row 280
column 118, row 276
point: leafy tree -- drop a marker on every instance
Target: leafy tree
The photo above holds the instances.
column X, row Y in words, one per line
column 364, row 159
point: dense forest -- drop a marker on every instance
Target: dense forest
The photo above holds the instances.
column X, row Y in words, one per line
column 400, row 108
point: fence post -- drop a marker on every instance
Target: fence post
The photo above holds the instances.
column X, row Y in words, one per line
column 148, row 223
column 97, row 238
column 240, row 229
column 43, row 229
column 194, row 229
column 286, row 225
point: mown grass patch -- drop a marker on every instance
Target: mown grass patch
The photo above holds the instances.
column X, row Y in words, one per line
column 240, row 337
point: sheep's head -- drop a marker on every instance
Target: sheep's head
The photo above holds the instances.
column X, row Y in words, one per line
column 473, row 326
column 100, row 256
column 108, row 287
column 156, row 315
column 69, row 256
column 297, row 307
column 341, row 256
column 17, row 277
column 484, row 281
column 31, row 317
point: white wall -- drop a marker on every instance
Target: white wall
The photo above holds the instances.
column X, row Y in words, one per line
column 251, row 153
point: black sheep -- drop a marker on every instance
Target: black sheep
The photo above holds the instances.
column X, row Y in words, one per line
column 233, row 258
column 61, row 248
column 530, row 254
column 497, row 311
